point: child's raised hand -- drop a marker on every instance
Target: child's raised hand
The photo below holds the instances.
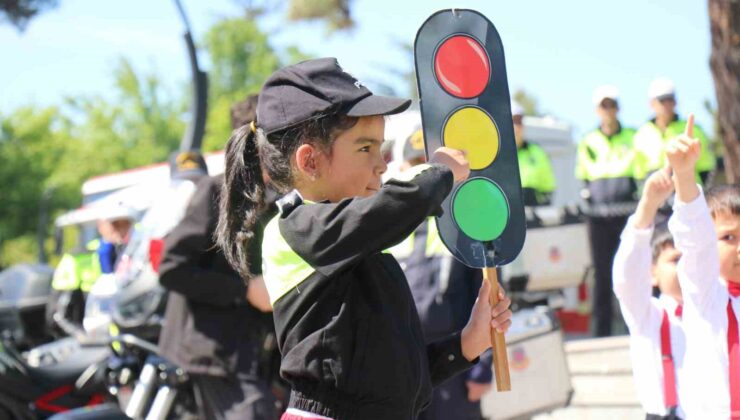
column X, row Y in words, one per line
column 683, row 151
column 658, row 187
column 682, row 154
column 476, row 336
column 453, row 159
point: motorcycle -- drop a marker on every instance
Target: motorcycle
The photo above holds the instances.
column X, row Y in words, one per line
column 24, row 290
column 145, row 384
column 57, row 377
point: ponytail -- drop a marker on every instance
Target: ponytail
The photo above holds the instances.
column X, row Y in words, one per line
column 248, row 152
column 242, row 197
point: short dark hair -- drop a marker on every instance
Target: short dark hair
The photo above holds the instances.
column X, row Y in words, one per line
column 244, row 112
column 724, row 199
column 661, row 240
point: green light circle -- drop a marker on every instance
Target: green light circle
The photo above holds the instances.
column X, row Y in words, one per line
column 480, row 209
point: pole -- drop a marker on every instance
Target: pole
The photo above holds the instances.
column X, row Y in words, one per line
column 498, row 341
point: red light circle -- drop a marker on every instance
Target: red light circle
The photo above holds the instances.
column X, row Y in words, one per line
column 462, row 67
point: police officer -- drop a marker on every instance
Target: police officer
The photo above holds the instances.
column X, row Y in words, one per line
column 444, row 292
column 78, row 271
column 652, row 137
column 216, row 325
column 535, row 170
column 609, row 167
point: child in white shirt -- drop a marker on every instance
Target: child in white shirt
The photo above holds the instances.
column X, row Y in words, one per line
column 657, row 342
column 707, row 233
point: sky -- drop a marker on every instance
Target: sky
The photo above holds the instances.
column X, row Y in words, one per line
column 558, row 51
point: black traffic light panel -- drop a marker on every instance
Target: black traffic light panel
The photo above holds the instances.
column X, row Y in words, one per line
column 465, row 105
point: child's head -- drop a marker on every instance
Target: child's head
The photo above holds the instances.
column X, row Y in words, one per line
column 318, row 130
column 665, row 259
column 724, row 205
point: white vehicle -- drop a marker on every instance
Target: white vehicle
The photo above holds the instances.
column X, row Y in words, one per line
column 160, row 201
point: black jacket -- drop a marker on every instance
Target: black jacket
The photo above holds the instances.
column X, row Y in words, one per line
column 444, row 289
column 350, row 338
column 209, row 328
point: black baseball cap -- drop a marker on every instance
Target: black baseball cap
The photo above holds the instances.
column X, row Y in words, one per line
column 313, row 88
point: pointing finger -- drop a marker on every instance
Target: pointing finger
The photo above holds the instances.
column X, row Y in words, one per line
column 690, row 126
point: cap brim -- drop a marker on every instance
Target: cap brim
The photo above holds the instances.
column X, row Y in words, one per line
column 665, row 96
column 378, row 105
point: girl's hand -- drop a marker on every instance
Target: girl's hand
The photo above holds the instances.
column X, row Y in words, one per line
column 476, row 336
column 453, row 159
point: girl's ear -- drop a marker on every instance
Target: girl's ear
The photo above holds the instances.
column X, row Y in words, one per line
column 306, row 157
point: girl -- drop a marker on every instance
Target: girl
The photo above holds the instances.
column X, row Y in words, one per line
column 347, row 327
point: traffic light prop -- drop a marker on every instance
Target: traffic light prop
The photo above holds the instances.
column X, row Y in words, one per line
column 465, row 104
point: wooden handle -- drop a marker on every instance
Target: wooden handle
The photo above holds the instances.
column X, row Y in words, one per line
column 498, row 341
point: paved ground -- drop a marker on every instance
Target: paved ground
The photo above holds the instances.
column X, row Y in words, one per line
column 601, row 377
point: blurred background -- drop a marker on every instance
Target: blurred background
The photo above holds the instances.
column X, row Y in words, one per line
column 95, row 96
column 96, row 87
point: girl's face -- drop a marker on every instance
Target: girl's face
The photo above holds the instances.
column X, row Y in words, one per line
column 355, row 166
column 727, row 227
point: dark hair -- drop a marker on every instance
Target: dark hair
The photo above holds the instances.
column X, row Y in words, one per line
column 724, row 199
column 243, row 112
column 247, row 155
column 661, row 239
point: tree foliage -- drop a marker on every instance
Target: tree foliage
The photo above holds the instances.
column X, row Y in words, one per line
column 336, row 13
column 51, row 151
column 527, row 101
column 241, row 60
column 20, row 12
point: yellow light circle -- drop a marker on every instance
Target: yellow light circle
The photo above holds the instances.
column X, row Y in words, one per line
column 471, row 129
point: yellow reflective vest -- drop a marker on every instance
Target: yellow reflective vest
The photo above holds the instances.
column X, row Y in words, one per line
column 536, row 173
column 651, row 142
column 78, row 271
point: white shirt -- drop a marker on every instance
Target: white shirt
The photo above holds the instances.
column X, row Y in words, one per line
column 705, row 298
column 644, row 316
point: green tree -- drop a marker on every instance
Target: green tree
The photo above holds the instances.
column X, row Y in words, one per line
column 20, row 12
column 51, row 151
column 241, row 60
column 31, row 146
column 336, row 13
column 528, row 102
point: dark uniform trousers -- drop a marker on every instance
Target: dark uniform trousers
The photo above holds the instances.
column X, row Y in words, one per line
column 604, row 233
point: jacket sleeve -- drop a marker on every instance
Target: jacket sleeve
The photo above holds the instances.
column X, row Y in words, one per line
column 698, row 268
column 631, row 274
column 446, row 359
column 332, row 236
column 185, row 266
